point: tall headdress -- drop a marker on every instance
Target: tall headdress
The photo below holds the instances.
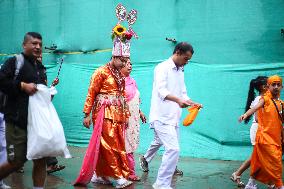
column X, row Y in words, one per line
column 120, row 35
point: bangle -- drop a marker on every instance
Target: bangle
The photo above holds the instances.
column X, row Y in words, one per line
column 86, row 115
column 22, row 85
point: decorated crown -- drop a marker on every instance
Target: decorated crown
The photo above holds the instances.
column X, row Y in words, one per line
column 120, row 35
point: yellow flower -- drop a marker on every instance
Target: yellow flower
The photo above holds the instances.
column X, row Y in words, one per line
column 119, row 30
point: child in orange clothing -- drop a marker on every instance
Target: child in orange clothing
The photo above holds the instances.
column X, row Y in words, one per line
column 258, row 84
column 266, row 160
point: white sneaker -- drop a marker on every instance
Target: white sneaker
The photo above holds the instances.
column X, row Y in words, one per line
column 250, row 186
column 4, row 186
column 123, row 183
column 156, row 186
column 94, row 178
column 99, row 180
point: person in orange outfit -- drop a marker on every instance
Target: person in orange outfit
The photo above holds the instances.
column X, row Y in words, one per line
column 106, row 156
column 266, row 160
column 105, row 99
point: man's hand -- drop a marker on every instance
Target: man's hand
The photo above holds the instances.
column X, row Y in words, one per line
column 143, row 117
column 29, row 88
column 183, row 103
column 55, row 82
column 194, row 103
column 87, row 121
column 198, row 105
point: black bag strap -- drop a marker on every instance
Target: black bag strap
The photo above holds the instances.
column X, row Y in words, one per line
column 19, row 64
column 280, row 115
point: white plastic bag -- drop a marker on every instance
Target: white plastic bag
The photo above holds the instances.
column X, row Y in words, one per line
column 45, row 132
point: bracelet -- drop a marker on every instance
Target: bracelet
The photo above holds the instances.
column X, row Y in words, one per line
column 86, row 115
column 22, row 85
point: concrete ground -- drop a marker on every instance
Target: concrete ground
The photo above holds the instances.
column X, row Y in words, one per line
column 198, row 174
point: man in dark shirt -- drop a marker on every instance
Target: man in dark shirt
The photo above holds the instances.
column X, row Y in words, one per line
column 18, row 90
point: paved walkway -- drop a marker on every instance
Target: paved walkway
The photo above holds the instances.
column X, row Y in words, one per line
column 198, row 174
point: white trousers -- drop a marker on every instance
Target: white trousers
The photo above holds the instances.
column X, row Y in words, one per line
column 3, row 154
column 253, row 130
column 166, row 135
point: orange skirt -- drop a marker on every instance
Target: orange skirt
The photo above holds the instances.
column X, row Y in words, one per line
column 266, row 164
column 112, row 161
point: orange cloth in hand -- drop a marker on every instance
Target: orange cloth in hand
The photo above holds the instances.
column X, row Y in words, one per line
column 193, row 111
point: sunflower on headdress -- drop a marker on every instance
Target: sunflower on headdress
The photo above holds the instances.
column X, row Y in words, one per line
column 118, row 30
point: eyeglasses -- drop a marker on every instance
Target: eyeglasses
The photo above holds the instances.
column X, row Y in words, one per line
column 186, row 57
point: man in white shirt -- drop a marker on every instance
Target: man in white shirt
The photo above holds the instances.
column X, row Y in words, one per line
column 169, row 95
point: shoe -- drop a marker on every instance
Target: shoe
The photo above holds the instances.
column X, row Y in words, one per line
column 123, row 183
column 178, row 172
column 100, row 180
column 4, row 186
column 143, row 164
column 237, row 180
column 250, row 186
column 156, row 186
column 54, row 168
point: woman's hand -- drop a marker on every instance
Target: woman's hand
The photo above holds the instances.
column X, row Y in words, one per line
column 143, row 117
column 242, row 117
column 87, row 121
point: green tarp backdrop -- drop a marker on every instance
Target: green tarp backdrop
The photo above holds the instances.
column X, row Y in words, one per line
column 234, row 41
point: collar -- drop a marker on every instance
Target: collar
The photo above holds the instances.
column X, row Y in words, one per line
column 33, row 61
column 29, row 58
column 173, row 65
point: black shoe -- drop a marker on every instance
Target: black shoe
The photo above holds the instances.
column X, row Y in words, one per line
column 143, row 164
column 54, row 168
column 178, row 172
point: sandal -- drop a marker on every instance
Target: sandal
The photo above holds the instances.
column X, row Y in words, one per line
column 125, row 184
column 271, row 186
column 178, row 172
column 134, row 178
column 55, row 168
column 237, row 179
